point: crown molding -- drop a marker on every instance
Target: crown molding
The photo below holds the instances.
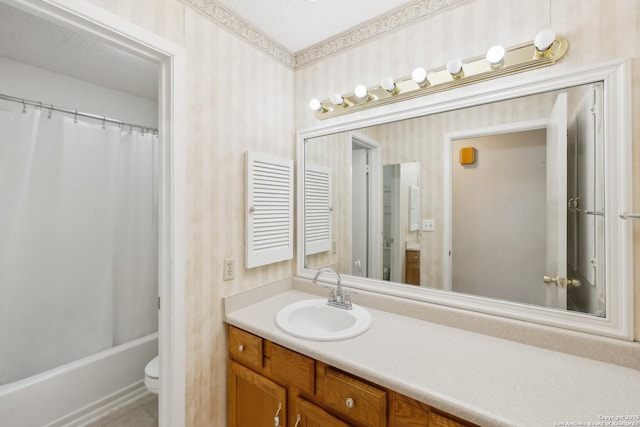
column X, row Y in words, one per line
column 389, row 22
column 223, row 17
column 362, row 33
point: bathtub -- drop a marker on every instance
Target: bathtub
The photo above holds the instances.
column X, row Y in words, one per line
column 79, row 391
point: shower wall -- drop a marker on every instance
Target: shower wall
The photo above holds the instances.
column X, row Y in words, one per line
column 37, row 84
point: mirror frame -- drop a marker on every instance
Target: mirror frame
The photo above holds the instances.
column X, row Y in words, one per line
column 618, row 322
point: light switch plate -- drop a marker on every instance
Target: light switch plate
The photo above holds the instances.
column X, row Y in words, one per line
column 428, row 225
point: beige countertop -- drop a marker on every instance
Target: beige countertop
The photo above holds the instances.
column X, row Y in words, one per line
column 486, row 380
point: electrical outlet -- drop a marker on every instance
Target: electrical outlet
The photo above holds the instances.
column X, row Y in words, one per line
column 428, row 225
column 229, row 269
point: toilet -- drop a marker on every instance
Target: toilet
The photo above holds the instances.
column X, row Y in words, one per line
column 152, row 375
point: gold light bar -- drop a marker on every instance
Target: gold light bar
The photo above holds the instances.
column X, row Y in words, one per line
column 517, row 59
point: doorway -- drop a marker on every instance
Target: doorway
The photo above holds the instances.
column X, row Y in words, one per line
column 86, row 18
column 366, row 204
column 492, row 192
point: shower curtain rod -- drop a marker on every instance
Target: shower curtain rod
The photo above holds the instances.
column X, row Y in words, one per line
column 76, row 113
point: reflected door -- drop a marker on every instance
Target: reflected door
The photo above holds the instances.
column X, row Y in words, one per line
column 556, row 254
column 360, row 212
column 393, row 243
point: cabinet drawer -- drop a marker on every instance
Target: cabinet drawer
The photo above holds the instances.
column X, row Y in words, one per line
column 245, row 348
column 295, row 369
column 314, row 416
column 357, row 400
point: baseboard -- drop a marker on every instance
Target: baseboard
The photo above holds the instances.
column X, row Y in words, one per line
column 103, row 407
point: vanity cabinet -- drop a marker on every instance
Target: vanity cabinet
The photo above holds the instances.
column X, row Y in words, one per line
column 253, row 399
column 267, row 381
column 412, row 267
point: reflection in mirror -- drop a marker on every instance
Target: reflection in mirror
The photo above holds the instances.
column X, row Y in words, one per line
column 503, row 200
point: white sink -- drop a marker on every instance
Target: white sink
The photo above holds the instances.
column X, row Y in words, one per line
column 313, row 319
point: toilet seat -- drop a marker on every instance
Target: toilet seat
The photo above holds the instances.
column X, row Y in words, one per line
column 152, row 375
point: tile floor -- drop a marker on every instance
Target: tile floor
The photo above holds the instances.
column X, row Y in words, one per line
column 142, row 412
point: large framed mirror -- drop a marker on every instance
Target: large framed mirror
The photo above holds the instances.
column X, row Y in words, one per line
column 505, row 201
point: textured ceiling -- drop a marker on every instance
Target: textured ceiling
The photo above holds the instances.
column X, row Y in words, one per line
column 299, row 24
column 296, row 32
column 40, row 43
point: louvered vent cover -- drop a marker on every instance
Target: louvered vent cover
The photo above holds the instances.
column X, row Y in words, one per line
column 269, row 214
column 317, row 209
column 414, row 208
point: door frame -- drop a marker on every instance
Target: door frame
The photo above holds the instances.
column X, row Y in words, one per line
column 170, row 58
column 447, row 214
column 375, row 202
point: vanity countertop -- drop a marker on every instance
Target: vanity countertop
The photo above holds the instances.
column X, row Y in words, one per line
column 486, row 380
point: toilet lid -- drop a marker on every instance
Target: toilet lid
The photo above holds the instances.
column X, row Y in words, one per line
column 153, row 368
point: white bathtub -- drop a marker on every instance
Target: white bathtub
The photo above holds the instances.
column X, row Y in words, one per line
column 78, row 391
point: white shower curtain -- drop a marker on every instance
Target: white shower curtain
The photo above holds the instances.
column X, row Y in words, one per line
column 78, row 240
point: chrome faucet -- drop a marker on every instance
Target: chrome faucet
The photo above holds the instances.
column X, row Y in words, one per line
column 337, row 298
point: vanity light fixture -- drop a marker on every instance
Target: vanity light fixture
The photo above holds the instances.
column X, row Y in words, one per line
column 389, row 85
column 495, row 56
column 316, row 106
column 361, row 92
column 545, row 50
column 419, row 75
column 454, row 67
column 339, row 100
column 544, row 39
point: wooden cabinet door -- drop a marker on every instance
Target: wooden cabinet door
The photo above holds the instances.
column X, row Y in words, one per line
column 254, row 400
column 314, row 416
column 412, row 270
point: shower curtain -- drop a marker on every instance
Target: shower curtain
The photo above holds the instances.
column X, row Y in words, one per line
column 78, row 240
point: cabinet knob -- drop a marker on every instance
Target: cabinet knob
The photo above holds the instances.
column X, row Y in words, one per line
column 349, row 402
column 240, row 348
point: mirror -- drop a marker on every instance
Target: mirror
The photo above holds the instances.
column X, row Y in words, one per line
column 503, row 201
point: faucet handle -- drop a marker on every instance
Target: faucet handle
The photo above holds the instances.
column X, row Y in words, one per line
column 332, row 294
column 346, row 297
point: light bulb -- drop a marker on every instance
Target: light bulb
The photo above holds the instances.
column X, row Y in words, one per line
column 419, row 75
column 495, row 55
column 315, row 105
column 388, row 84
column 361, row 92
column 337, row 99
column 454, row 67
column 544, row 39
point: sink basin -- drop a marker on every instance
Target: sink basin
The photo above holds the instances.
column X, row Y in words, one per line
column 313, row 319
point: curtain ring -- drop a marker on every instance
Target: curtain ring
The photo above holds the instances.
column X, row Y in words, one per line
column 103, row 119
column 75, row 117
column 24, row 107
column 39, row 107
column 50, row 112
